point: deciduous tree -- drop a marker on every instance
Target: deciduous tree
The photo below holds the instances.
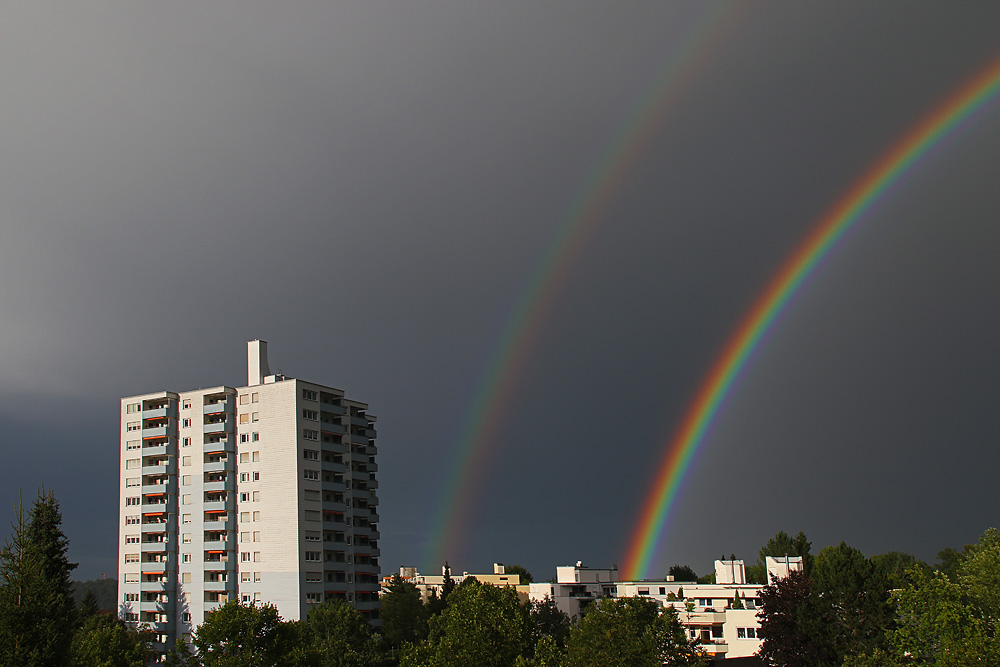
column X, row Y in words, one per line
column 243, row 635
column 629, row 632
column 104, row 641
column 404, row 614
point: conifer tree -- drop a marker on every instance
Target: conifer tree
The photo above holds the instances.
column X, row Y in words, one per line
column 37, row 612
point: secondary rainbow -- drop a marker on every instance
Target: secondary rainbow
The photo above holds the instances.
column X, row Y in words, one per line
column 885, row 172
column 510, row 354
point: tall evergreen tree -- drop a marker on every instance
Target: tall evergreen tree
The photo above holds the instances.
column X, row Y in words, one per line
column 37, row 612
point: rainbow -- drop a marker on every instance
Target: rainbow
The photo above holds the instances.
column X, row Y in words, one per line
column 510, row 354
column 886, row 171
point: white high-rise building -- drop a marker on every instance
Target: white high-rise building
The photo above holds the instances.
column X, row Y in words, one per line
column 263, row 493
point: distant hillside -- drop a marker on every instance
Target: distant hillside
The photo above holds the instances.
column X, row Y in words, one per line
column 106, row 591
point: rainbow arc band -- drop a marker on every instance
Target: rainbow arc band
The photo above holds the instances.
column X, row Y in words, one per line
column 876, row 180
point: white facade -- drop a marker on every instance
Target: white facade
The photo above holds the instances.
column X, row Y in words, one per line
column 705, row 610
column 264, row 493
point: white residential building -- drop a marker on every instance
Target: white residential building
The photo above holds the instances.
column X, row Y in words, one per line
column 263, row 493
column 431, row 584
column 705, row 610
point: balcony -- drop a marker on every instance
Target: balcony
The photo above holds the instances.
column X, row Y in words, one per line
column 358, row 439
column 216, row 408
column 226, row 544
column 218, row 427
column 156, row 606
column 161, row 467
column 331, row 466
column 159, row 431
column 359, row 421
column 154, row 449
column 219, row 486
column 227, row 505
column 168, row 526
column 332, row 408
column 155, row 547
column 225, row 465
column 158, row 567
column 222, row 445
column 331, row 428
column 154, row 413
column 170, row 486
column 221, row 585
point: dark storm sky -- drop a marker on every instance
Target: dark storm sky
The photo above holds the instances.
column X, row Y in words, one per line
column 369, row 185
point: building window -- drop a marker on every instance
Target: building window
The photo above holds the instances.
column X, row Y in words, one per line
column 663, row 590
column 186, row 617
column 256, row 457
column 244, row 477
column 185, row 480
column 314, row 578
column 256, row 556
column 132, row 500
column 186, row 461
column 310, row 454
column 132, row 407
column 310, row 474
column 312, row 515
column 751, row 633
column 245, row 598
column 313, row 556
column 256, row 476
column 186, row 538
column 244, row 399
column 186, row 404
column 132, row 520
column 131, row 558
column 256, row 536
column 244, row 497
column 312, row 598
column 186, row 442
column 311, row 414
column 643, row 591
column 133, row 481
column 245, row 556
column 186, row 576
column 309, row 434
column 245, row 537
column 244, row 458
column 256, row 516
column 255, row 397
column 131, row 577
column 244, row 418
column 309, row 394
column 186, row 518
column 131, row 597
column 256, row 577
column 245, row 577
column 256, row 437
column 255, row 417
column 131, row 464
column 256, row 496
column 312, row 536
column 186, row 499
column 244, row 437
column 186, row 558
column 256, row 597
column 186, row 422
column 131, row 539
column 741, row 633
column 133, row 444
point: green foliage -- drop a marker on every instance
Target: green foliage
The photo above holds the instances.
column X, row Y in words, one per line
column 548, row 622
column 526, row 577
column 104, row 641
column 790, row 625
column 404, row 614
column 682, row 573
column 547, row 654
column 88, row 606
column 240, row 635
column 105, row 590
column 707, row 578
column 629, row 632
column 892, row 567
column 482, row 626
column 737, row 602
column 37, row 613
column 335, row 634
column 180, row 656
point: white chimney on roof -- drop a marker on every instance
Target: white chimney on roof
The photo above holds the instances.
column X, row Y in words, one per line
column 257, row 368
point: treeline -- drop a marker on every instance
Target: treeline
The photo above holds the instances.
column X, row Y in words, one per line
column 40, row 623
column 888, row 610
